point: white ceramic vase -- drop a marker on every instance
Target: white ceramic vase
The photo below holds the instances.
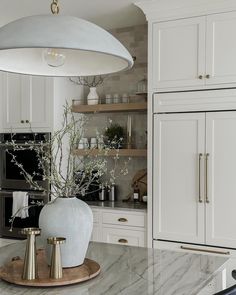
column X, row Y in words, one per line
column 92, row 97
column 70, row 218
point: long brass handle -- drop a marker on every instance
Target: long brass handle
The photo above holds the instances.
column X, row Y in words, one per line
column 199, row 178
column 206, row 184
column 122, row 219
column 200, row 77
column 205, row 250
column 208, row 76
column 123, row 241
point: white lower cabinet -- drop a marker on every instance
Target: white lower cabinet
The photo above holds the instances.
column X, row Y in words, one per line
column 119, row 227
column 195, row 178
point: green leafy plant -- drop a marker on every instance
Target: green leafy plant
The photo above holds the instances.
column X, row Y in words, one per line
column 115, row 135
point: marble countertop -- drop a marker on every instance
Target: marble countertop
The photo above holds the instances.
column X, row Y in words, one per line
column 119, row 205
column 130, row 271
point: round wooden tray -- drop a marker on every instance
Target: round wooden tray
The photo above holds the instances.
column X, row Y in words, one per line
column 12, row 273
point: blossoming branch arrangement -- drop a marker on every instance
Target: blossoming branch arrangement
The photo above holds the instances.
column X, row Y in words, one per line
column 58, row 163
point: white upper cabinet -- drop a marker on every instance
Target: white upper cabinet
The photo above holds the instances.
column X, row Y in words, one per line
column 221, row 179
column 27, row 102
column 178, row 200
column 221, row 48
column 194, row 53
column 179, row 53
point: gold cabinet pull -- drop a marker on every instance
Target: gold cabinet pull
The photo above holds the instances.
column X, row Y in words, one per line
column 200, row 77
column 206, row 184
column 22, row 121
column 123, row 241
column 122, row 219
column 208, row 76
column 199, row 178
column 26, row 121
column 205, row 250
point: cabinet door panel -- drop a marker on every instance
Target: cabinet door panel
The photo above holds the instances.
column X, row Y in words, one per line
column 38, row 102
column 12, row 104
column 178, row 214
column 221, row 48
column 221, row 188
column 179, row 53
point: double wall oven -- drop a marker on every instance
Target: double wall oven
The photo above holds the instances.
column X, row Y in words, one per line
column 11, row 179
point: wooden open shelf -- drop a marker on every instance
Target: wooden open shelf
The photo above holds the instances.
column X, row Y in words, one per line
column 112, row 153
column 105, row 108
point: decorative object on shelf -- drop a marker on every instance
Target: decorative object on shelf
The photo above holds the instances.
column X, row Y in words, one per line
column 125, row 98
column 136, row 193
column 70, row 46
column 115, row 135
column 93, row 143
column 116, row 98
column 55, row 265
column 30, row 270
column 129, row 132
column 92, row 97
column 91, row 82
column 108, row 98
column 87, row 271
column 66, row 215
column 78, row 101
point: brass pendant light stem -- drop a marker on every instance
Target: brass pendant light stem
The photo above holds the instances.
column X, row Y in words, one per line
column 55, row 7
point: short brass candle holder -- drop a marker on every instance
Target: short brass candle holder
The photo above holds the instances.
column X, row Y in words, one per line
column 56, row 266
column 30, row 270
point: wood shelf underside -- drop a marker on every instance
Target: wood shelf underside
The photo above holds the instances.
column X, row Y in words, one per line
column 112, row 153
column 103, row 108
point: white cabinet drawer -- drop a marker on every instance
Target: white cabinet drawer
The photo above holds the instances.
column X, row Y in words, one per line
column 124, row 219
column 123, row 236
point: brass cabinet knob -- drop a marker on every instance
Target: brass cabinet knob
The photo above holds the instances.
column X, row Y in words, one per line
column 26, row 121
column 123, row 241
column 122, row 219
column 22, row 121
column 208, row 76
column 200, row 77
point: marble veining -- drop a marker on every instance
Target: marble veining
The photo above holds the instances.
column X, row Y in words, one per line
column 131, row 271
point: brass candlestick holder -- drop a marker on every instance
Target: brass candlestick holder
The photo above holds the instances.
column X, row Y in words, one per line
column 56, row 266
column 30, row 271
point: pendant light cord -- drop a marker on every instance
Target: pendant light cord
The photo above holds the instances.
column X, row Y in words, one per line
column 55, row 7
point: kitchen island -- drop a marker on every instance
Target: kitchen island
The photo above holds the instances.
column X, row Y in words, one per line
column 130, row 270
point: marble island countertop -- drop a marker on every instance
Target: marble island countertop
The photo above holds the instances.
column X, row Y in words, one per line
column 130, row 271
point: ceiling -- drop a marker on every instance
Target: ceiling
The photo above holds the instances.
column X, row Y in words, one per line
column 108, row 14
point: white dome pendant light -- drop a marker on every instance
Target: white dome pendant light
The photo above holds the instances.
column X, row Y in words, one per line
column 56, row 45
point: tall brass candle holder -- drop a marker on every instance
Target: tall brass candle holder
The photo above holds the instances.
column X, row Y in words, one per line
column 56, row 266
column 30, row 271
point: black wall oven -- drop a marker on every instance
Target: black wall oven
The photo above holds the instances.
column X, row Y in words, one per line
column 6, row 200
column 11, row 176
column 11, row 179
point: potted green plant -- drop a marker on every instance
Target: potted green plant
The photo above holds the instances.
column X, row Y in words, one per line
column 115, row 135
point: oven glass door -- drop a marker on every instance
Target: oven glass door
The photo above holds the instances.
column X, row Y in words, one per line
column 28, row 158
column 6, row 208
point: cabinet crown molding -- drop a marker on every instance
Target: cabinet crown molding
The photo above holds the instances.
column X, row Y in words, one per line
column 161, row 10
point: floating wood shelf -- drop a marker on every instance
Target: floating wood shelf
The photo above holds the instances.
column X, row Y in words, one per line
column 105, row 108
column 112, row 153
